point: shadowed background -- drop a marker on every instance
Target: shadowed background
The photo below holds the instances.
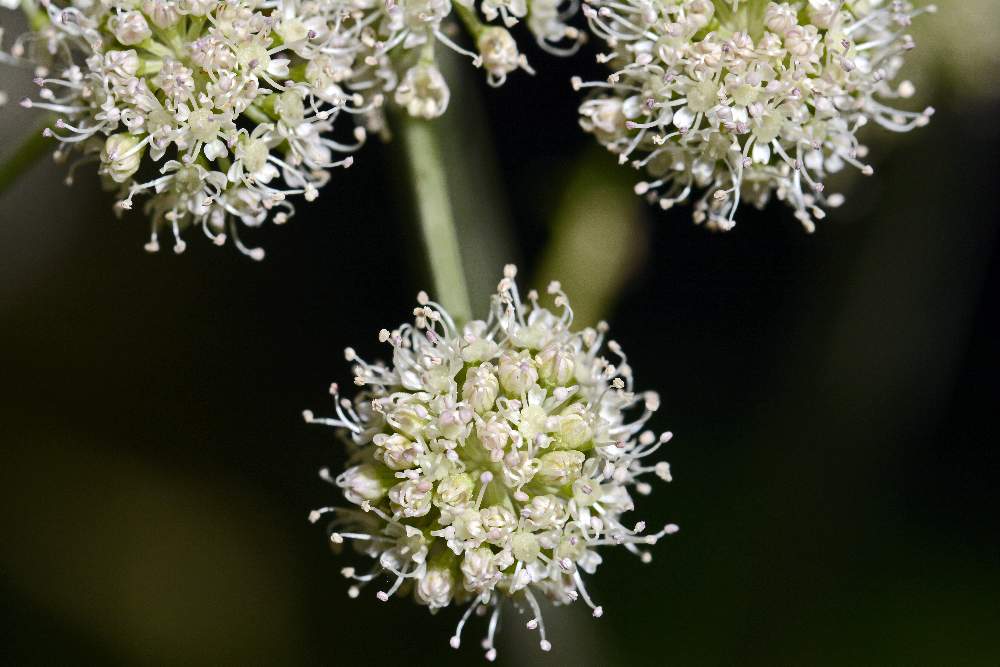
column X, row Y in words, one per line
column 832, row 397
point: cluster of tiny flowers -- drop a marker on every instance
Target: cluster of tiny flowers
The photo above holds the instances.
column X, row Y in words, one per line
column 745, row 98
column 492, row 461
column 225, row 107
column 402, row 36
column 217, row 111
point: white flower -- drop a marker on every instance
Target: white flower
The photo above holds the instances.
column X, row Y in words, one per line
column 163, row 109
column 747, row 98
column 423, row 92
column 362, row 483
column 435, row 588
column 122, row 154
column 130, row 28
column 505, row 451
column 499, row 54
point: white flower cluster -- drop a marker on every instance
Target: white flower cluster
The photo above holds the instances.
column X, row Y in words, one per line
column 492, row 461
column 224, row 107
column 219, row 110
column 745, row 98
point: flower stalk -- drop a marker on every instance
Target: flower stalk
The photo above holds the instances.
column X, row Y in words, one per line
column 434, row 215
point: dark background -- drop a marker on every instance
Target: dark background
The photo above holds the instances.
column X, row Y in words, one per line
column 833, row 396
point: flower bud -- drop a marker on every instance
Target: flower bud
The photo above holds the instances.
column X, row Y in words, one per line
column 499, row 52
column 435, row 588
column 396, row 451
column 121, row 157
column 163, row 13
column 481, row 387
column 574, row 432
column 498, row 523
column 560, row 468
column 130, row 28
column 556, row 364
column 411, row 498
column 423, row 92
column 469, row 525
column 525, row 547
column 476, row 346
column 545, row 512
column 362, row 483
column 409, row 419
column 453, row 422
column 517, row 372
column 480, row 570
column 493, row 435
column 534, row 420
column 454, row 491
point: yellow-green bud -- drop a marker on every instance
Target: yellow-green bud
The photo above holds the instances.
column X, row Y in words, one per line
column 120, row 156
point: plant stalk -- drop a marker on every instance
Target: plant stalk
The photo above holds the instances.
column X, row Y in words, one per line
column 434, row 213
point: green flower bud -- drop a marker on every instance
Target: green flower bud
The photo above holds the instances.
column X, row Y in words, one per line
column 561, row 468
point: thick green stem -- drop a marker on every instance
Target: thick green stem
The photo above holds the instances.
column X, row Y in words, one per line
column 434, row 213
column 25, row 155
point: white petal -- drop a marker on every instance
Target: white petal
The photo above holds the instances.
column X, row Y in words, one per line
column 761, row 153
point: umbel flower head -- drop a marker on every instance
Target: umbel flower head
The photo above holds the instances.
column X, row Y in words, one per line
column 742, row 99
column 217, row 111
column 492, row 462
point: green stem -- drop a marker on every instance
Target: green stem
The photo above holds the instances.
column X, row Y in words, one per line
column 470, row 20
column 25, row 155
column 434, row 212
